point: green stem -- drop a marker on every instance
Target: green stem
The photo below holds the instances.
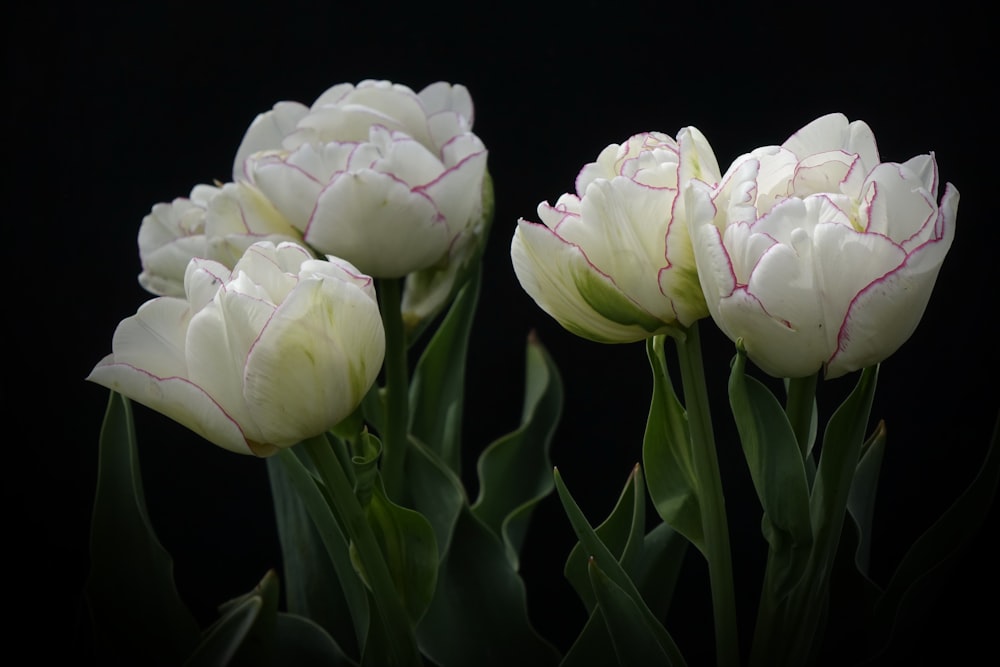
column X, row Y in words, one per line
column 713, row 506
column 394, row 439
column 332, row 537
column 799, row 408
column 395, row 620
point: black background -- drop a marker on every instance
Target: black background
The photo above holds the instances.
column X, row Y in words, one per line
column 113, row 107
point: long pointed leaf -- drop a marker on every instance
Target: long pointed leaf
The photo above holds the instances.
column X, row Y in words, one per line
column 635, row 642
column 437, row 390
column 609, row 565
column 137, row 614
column 618, row 532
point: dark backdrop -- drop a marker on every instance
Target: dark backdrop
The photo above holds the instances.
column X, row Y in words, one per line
column 112, row 107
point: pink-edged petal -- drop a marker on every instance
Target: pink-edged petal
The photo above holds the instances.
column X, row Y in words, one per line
column 377, row 223
column 267, row 131
column 895, row 204
column 180, row 400
column 560, row 279
column 457, row 192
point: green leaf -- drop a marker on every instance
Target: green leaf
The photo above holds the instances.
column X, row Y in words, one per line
column 328, row 528
column 666, row 453
column 251, row 632
column 635, row 642
column 406, row 540
column 479, row 613
column 663, row 551
column 437, row 389
column 621, row 532
column 604, row 559
column 244, row 632
column 522, row 455
column 300, row 641
column 773, row 456
column 839, row 456
column 312, row 586
column 138, row 616
column 864, row 490
column 926, row 566
column 593, row 646
column 438, row 493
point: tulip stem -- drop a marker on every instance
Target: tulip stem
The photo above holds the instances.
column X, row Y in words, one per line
column 714, row 522
column 401, row 639
column 800, row 408
column 397, row 422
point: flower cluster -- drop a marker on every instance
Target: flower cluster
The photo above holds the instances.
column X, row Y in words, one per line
column 286, row 304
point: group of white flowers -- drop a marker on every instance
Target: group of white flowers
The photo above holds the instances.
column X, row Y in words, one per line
column 266, row 329
column 816, row 254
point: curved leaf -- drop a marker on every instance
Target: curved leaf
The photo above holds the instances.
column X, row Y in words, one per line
column 621, row 532
column 523, row 455
column 437, row 389
column 635, row 642
column 666, row 453
column 138, row 616
column 479, row 613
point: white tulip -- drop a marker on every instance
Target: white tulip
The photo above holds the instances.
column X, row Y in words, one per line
column 613, row 262
column 816, row 254
column 217, row 223
column 279, row 349
column 375, row 173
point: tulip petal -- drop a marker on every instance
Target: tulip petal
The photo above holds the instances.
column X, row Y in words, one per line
column 896, row 204
column 267, row 131
column 360, row 206
column 148, row 366
column 563, row 282
column 285, row 370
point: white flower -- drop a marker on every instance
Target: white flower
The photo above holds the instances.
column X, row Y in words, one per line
column 217, row 223
column 818, row 255
column 613, row 262
column 279, row 349
column 375, row 173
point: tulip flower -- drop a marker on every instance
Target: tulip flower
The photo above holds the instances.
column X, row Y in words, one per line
column 613, row 262
column 384, row 177
column 816, row 254
column 217, row 223
column 279, row 349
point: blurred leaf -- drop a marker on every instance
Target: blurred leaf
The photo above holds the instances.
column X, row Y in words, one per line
column 621, row 532
column 927, row 565
column 593, row 646
column 635, row 642
column 437, row 389
column 311, row 583
column 514, row 471
column 223, row 639
column 137, row 614
column 608, row 564
column 666, row 453
column 251, row 632
column 300, row 641
column 479, row 613
column 244, row 632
